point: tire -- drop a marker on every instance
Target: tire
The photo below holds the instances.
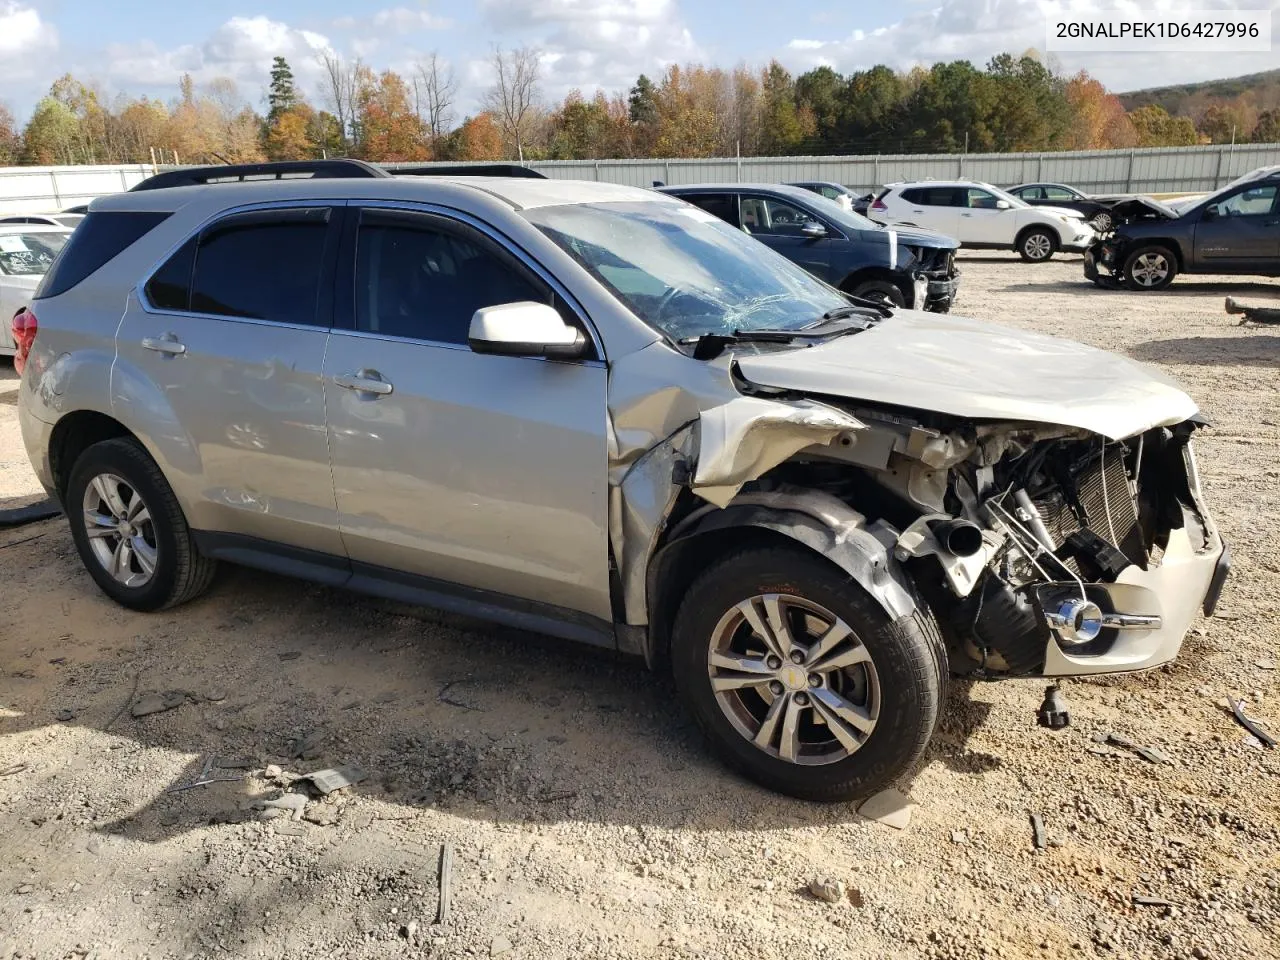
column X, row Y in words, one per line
column 885, row 291
column 900, row 688
column 1037, row 244
column 1102, row 221
column 120, row 472
column 1149, row 268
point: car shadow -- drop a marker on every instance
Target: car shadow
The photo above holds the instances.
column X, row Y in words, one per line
column 1177, row 289
column 1262, row 350
column 438, row 711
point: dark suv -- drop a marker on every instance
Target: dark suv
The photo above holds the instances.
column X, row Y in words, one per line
column 1234, row 231
column 907, row 268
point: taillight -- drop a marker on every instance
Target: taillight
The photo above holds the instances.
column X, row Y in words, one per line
column 878, row 206
column 24, row 335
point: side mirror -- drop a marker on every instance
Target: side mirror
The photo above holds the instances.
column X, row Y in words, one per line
column 525, row 329
column 1210, row 212
column 1003, row 205
column 813, row 228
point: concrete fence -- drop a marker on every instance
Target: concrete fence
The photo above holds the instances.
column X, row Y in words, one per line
column 1148, row 170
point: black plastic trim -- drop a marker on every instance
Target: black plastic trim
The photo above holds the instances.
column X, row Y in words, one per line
column 1220, row 572
column 237, row 173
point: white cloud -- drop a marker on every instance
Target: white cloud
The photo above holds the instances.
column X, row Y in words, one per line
column 976, row 30
column 241, row 49
column 593, row 44
column 403, row 19
column 25, row 40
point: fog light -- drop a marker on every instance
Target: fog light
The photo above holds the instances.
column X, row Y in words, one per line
column 1076, row 620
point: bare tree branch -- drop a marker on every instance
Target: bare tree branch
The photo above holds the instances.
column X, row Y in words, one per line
column 434, row 89
column 515, row 98
column 341, row 89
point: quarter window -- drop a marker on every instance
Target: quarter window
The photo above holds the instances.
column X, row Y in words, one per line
column 170, row 287
column 420, row 277
column 264, row 265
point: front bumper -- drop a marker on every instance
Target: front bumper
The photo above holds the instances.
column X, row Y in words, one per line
column 1080, row 240
column 1185, row 583
column 1099, row 264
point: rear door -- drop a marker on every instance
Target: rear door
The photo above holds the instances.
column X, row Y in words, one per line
column 931, row 207
column 221, row 358
column 1244, row 236
column 470, row 470
column 779, row 225
column 722, row 205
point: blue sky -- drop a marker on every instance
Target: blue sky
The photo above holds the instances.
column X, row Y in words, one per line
column 137, row 47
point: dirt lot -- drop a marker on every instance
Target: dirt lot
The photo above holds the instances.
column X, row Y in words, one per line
column 587, row 817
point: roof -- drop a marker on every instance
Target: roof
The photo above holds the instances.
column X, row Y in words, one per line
column 517, row 192
column 785, row 189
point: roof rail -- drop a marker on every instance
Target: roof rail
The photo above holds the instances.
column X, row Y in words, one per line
column 468, row 170
column 292, row 169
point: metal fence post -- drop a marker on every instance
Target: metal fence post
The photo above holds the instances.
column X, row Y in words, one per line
column 667, row 166
column 877, row 170
column 1040, row 168
column 597, row 170
column 1128, row 177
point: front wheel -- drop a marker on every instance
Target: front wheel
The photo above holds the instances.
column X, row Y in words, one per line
column 1037, row 244
column 881, row 291
column 1102, row 221
column 800, row 680
column 1149, row 268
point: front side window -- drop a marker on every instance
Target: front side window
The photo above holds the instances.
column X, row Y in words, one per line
column 421, row 277
column 976, row 199
column 1059, row 193
column 264, row 265
column 1252, row 202
column 29, row 254
column 683, row 271
column 764, row 215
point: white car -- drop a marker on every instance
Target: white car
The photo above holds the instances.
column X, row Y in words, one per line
column 26, row 253
column 68, row 220
column 982, row 216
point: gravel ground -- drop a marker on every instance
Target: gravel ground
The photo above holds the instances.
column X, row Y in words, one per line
column 586, row 817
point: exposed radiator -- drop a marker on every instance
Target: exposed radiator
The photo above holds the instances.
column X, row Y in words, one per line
column 1122, row 530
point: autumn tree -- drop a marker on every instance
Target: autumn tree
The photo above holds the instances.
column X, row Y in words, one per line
column 477, row 138
column 389, row 127
column 10, row 139
column 1227, row 121
column 1155, row 128
column 434, row 89
column 515, row 98
column 782, row 126
column 51, row 134
column 1098, row 119
column 1267, row 129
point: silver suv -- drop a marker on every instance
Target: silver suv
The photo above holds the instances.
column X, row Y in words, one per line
column 602, row 413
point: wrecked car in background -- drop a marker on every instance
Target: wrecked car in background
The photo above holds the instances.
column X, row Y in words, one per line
column 1233, row 231
column 607, row 415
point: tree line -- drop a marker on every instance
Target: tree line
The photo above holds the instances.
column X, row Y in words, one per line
column 1012, row 104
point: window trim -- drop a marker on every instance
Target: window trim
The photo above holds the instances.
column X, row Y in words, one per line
column 324, row 300
column 346, row 325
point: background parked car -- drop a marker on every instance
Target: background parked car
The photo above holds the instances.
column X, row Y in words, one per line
column 25, row 255
column 68, row 220
column 1236, row 230
column 1097, row 210
column 982, row 216
column 832, row 191
column 911, row 268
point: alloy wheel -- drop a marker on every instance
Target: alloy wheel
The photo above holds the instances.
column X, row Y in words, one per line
column 794, row 679
column 1149, row 269
column 120, row 530
column 1037, row 246
column 1102, row 222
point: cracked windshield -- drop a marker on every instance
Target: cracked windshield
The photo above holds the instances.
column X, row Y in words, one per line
column 684, row 271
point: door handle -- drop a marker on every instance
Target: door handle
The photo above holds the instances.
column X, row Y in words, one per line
column 167, row 344
column 966, row 214
column 364, row 381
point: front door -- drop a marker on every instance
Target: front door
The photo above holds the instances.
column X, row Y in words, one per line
column 220, row 366
column 981, row 221
column 1244, row 234
column 474, row 470
column 780, row 226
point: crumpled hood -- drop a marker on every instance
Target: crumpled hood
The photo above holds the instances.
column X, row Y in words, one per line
column 967, row 368
column 914, row 236
column 1144, row 206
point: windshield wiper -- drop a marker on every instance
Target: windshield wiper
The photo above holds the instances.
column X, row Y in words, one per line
column 708, row 346
column 859, row 305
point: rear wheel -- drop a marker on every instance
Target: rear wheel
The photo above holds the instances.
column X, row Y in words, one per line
column 1102, row 221
column 1037, row 244
column 799, row 678
column 881, row 291
column 1149, row 268
column 129, row 529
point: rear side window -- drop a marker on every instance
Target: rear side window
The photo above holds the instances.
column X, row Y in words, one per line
column 264, row 265
column 98, row 238
column 935, row 196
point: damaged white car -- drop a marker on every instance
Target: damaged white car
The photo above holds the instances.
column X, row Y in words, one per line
column 601, row 413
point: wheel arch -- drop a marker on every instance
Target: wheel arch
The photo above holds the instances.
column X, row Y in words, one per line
column 1168, row 243
column 74, row 433
column 863, row 274
column 1048, row 228
column 805, row 519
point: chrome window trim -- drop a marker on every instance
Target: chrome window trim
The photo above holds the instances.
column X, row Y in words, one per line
column 505, row 242
column 140, row 289
column 441, row 344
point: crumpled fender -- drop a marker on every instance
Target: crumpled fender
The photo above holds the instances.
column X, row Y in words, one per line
column 814, row 519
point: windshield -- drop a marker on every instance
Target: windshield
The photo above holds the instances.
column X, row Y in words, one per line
column 1002, row 195
column 28, row 254
column 684, row 271
column 841, row 215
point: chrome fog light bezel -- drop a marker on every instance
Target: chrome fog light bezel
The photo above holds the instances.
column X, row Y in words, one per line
column 1076, row 620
